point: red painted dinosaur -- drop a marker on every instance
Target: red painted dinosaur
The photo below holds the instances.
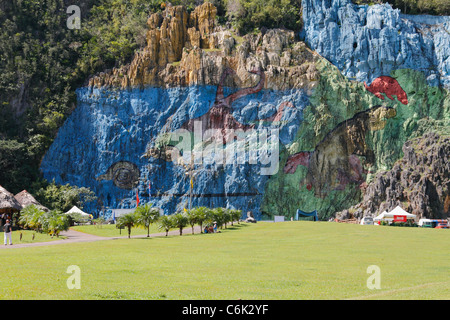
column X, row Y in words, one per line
column 389, row 86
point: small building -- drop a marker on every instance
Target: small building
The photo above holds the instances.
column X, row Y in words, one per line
column 278, row 219
column 116, row 213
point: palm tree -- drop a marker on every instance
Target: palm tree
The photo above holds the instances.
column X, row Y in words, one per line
column 146, row 215
column 226, row 216
column 201, row 214
column 31, row 217
column 179, row 221
column 127, row 220
column 192, row 218
column 218, row 216
column 235, row 215
column 26, row 215
column 166, row 223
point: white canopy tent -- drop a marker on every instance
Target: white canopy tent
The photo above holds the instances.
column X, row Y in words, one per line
column 398, row 211
column 380, row 216
column 75, row 209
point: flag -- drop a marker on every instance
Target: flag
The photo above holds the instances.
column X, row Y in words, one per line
column 137, row 198
column 192, row 184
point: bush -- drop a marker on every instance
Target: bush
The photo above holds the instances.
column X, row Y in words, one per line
column 404, row 224
column 53, row 222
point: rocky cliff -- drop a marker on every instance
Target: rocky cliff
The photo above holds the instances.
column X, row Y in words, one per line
column 185, row 49
column 366, row 42
column 336, row 122
column 419, row 182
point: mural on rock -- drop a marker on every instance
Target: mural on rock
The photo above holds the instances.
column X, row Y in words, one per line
column 124, row 174
column 335, row 162
column 219, row 117
column 335, row 129
column 389, row 86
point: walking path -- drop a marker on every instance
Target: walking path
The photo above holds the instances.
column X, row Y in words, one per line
column 73, row 236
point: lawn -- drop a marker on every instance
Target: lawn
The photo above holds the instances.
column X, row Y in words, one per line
column 27, row 237
column 273, row 261
column 110, row 230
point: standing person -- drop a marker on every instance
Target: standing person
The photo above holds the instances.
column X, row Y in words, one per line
column 7, row 229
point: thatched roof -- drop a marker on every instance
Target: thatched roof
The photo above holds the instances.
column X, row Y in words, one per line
column 8, row 203
column 26, row 199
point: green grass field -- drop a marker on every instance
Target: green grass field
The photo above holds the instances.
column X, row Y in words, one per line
column 272, row 261
column 27, row 237
column 110, row 230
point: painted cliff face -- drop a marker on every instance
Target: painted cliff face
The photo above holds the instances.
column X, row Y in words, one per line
column 109, row 144
column 118, row 139
column 366, row 42
column 220, row 116
column 338, row 159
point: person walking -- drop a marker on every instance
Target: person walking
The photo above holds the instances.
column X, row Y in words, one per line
column 7, row 229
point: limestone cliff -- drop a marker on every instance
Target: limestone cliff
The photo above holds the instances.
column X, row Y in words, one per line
column 188, row 49
column 366, row 42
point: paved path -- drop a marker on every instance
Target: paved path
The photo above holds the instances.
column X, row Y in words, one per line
column 76, row 236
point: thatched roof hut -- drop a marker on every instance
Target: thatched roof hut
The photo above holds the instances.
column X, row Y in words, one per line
column 8, row 204
column 26, row 199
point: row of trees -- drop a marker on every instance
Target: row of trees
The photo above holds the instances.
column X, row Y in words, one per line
column 55, row 221
column 146, row 215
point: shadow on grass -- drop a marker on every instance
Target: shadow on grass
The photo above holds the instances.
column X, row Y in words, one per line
column 236, row 226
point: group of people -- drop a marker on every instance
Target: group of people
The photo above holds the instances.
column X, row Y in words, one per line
column 211, row 229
